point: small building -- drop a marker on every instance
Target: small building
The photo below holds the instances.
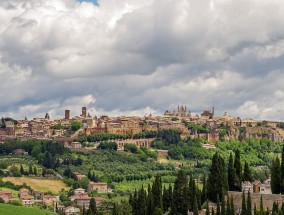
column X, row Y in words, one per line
column 28, row 200
column 20, row 152
column 79, row 176
column 79, row 191
column 247, row 186
column 8, row 193
column 76, row 145
column 262, row 188
column 38, row 194
column 101, row 187
column 71, row 211
column 24, row 192
column 83, row 201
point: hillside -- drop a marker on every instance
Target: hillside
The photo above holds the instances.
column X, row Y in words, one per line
column 6, row 209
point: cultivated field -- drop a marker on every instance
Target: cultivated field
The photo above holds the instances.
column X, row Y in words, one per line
column 39, row 184
column 6, row 209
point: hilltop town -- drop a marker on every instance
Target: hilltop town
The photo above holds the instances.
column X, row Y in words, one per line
column 207, row 125
column 87, row 160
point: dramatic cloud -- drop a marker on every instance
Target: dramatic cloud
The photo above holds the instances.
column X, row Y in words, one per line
column 139, row 57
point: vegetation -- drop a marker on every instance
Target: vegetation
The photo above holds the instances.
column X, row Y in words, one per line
column 42, row 184
column 7, row 209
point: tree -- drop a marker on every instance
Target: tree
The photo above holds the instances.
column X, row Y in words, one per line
column 233, row 180
column 238, row 168
column 217, row 180
column 249, row 209
column 195, row 206
column 22, row 171
column 93, row 207
column 218, row 206
column 261, row 206
column 244, row 208
column 232, row 206
column 275, row 176
column 247, row 173
column 76, row 125
column 207, row 208
column 179, row 204
column 166, row 199
column 282, row 170
column 157, row 193
column 30, row 170
column 228, row 211
column 223, row 209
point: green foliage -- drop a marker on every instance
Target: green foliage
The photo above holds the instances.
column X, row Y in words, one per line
column 129, row 147
column 275, row 176
column 257, row 152
column 179, row 204
column 20, row 210
column 108, row 146
column 199, row 128
column 217, row 181
column 58, row 127
column 76, row 125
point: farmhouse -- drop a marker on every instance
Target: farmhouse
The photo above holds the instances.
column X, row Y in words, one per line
column 101, row 187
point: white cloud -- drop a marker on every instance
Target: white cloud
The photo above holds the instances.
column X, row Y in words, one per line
column 142, row 56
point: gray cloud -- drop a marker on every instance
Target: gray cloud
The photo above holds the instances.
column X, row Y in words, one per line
column 130, row 57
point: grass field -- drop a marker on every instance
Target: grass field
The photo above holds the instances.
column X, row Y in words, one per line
column 39, row 184
column 6, row 209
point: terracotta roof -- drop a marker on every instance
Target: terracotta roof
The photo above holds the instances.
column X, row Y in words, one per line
column 27, row 197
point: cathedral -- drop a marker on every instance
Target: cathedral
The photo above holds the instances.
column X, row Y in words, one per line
column 181, row 112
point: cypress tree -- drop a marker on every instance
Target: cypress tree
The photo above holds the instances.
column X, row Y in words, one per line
column 275, row 208
column 282, row 171
column 212, row 211
column 35, row 171
column 217, row 180
column 207, row 208
column 22, row 171
column 166, row 199
column 93, row 207
column 204, row 190
column 150, row 207
column 233, row 180
column 135, row 203
column 247, row 173
column 223, row 208
column 170, row 195
column 238, row 168
column 276, row 176
column 218, row 206
column 30, row 170
column 115, row 210
column 195, row 206
column 249, row 209
column 232, row 206
column 254, row 209
column 198, row 197
column 180, row 203
column 282, row 208
column 267, row 211
column 191, row 193
column 228, row 211
column 141, row 202
column 261, row 206
column 157, row 193
column 244, row 208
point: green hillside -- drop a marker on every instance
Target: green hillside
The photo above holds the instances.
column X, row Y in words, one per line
column 6, row 209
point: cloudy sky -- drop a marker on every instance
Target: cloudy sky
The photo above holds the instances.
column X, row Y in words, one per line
column 127, row 57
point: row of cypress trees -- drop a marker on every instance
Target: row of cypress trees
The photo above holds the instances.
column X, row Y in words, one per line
column 277, row 174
